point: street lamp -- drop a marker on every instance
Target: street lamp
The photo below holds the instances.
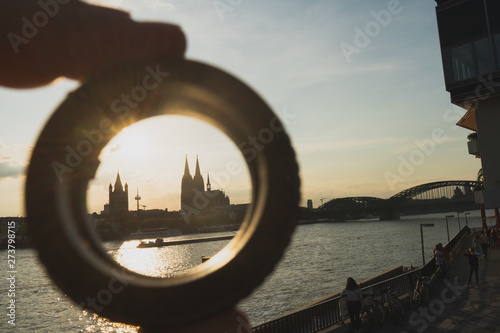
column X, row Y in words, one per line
column 466, row 222
column 422, row 239
column 447, row 229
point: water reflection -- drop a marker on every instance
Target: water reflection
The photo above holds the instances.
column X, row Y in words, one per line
column 166, row 261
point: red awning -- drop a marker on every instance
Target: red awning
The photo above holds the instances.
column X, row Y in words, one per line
column 468, row 120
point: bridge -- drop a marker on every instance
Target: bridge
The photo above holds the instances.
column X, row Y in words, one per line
column 435, row 197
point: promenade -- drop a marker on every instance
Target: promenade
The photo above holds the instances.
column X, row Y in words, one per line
column 453, row 307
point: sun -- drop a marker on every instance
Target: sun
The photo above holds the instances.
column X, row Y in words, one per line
column 150, row 156
column 131, row 143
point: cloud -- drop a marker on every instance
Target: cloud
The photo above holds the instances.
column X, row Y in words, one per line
column 129, row 5
column 115, row 148
column 325, row 144
column 13, row 160
column 417, row 144
column 8, row 170
column 158, row 4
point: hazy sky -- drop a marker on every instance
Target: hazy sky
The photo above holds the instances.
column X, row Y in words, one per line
column 358, row 84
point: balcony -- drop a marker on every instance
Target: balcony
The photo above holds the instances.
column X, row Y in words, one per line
column 473, row 146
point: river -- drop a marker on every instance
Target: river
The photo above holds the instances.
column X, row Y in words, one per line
column 317, row 263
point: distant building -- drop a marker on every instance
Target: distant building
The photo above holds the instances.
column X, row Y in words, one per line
column 118, row 198
column 309, row 204
column 194, row 197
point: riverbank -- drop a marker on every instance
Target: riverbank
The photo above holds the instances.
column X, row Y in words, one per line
column 459, row 308
column 316, row 264
column 453, row 306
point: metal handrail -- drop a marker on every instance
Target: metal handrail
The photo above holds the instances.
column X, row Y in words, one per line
column 327, row 313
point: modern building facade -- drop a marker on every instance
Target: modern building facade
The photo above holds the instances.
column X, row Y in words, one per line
column 469, row 34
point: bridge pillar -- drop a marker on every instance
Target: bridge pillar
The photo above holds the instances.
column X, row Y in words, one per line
column 388, row 215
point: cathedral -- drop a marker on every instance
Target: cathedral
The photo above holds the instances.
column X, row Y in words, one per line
column 193, row 193
column 118, row 198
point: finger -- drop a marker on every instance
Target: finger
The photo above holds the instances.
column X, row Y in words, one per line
column 79, row 41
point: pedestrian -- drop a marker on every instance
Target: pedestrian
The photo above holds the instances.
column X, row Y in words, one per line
column 440, row 261
column 484, row 243
column 476, row 244
column 473, row 265
column 354, row 298
column 497, row 231
column 488, row 234
column 493, row 237
column 446, row 255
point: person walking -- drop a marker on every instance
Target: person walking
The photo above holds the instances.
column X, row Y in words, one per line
column 484, row 243
column 476, row 244
column 493, row 237
column 441, row 261
column 446, row 255
column 354, row 298
column 473, row 265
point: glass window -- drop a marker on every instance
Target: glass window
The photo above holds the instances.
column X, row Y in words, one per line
column 463, row 64
column 496, row 41
column 483, row 56
column 462, row 21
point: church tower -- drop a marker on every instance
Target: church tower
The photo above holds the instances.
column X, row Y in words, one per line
column 118, row 198
column 198, row 183
column 209, row 186
column 187, row 193
column 194, row 195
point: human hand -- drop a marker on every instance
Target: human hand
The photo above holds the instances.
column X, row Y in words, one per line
column 232, row 321
column 76, row 40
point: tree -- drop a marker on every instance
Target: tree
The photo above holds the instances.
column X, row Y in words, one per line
column 480, row 180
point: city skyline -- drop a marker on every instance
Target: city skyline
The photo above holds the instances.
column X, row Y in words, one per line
column 137, row 157
column 359, row 87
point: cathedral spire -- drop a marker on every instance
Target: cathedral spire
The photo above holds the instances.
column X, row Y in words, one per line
column 186, row 167
column 209, row 186
column 198, row 182
column 197, row 173
column 118, row 182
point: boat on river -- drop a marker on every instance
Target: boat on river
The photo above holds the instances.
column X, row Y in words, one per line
column 155, row 233
column 159, row 242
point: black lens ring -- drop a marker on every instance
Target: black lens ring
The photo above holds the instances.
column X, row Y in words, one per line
column 65, row 158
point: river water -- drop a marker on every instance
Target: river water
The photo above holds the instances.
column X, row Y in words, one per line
column 316, row 264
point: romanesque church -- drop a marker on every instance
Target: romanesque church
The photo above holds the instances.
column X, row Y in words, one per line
column 118, row 198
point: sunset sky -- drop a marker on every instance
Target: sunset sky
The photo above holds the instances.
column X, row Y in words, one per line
column 358, row 84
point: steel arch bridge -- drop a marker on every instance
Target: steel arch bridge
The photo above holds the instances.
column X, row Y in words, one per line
column 352, row 202
column 437, row 190
column 425, row 197
column 352, row 208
